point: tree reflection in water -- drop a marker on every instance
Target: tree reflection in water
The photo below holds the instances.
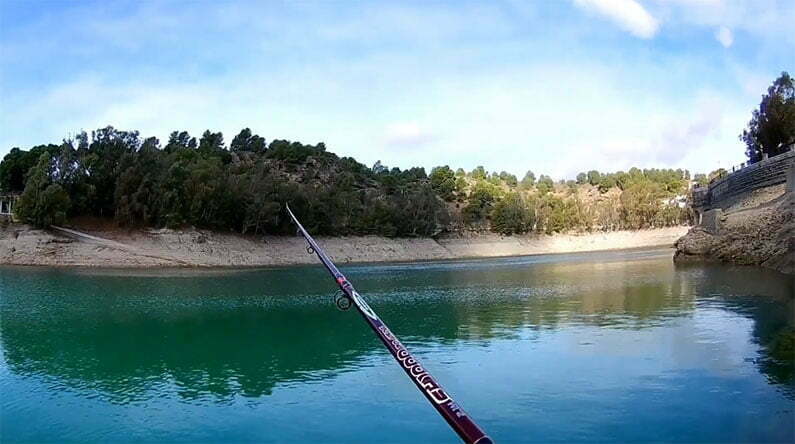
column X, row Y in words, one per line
column 217, row 336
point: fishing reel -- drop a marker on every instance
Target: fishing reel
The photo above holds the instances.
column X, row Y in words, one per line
column 309, row 248
column 342, row 301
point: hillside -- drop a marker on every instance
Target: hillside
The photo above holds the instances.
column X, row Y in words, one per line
column 243, row 187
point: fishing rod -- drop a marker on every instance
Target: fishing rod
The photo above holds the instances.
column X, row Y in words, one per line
column 439, row 399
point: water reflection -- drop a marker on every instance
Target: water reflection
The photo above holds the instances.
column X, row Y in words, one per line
column 213, row 337
column 123, row 348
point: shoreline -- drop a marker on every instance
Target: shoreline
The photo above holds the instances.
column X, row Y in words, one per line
column 654, row 251
column 207, row 250
column 758, row 229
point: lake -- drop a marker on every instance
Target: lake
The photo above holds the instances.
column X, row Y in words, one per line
column 617, row 346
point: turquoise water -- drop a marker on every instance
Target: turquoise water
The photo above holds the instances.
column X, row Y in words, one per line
column 619, row 346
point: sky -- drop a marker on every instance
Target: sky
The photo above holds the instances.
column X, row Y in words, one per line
column 556, row 87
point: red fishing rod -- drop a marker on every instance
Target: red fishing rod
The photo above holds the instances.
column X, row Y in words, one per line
column 440, row 400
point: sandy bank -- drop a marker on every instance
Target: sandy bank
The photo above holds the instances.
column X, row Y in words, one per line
column 21, row 245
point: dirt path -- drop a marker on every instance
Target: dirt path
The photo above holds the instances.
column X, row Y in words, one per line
column 85, row 237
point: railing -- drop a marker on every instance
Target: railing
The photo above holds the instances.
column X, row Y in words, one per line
column 740, row 166
column 767, row 172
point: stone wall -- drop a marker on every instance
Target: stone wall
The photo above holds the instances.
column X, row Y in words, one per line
column 721, row 193
column 712, row 220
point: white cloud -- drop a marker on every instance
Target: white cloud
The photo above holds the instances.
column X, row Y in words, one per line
column 514, row 120
column 407, row 134
column 770, row 21
column 683, row 135
column 700, row 139
column 453, row 87
column 724, row 36
column 628, row 14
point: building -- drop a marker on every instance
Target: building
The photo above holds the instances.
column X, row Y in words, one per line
column 7, row 202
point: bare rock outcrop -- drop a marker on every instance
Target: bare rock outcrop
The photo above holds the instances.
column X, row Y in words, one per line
column 762, row 235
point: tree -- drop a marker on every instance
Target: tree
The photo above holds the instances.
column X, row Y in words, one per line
column 622, row 179
column 582, row 178
column 118, row 174
column 555, row 214
column 545, row 184
column 572, row 186
column 461, row 187
column 204, row 187
column 71, row 173
column 294, row 152
column 509, row 179
column 480, row 202
column 248, row 142
column 717, row 174
column 701, row 179
column 13, row 170
column 640, row 204
column 479, row 173
column 594, row 177
column 42, row 203
column 511, row 214
column 772, row 127
column 606, row 182
column 528, row 180
column 443, row 182
column 418, row 212
column 180, row 141
column 379, row 168
column 138, row 185
column 212, row 144
column 15, row 165
column 415, row 174
column 100, row 162
column 261, row 206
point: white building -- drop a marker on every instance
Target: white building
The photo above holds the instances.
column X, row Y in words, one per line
column 7, row 202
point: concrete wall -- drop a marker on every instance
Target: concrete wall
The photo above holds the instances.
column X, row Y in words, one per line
column 768, row 172
column 712, row 220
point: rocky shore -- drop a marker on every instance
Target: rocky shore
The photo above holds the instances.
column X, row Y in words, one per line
column 21, row 245
column 759, row 229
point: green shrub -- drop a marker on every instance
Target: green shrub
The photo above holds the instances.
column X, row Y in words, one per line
column 511, row 214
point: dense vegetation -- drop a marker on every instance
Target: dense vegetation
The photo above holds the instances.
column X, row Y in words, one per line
column 772, row 126
column 244, row 187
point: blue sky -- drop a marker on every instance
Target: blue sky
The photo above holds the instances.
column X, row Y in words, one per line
column 552, row 86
